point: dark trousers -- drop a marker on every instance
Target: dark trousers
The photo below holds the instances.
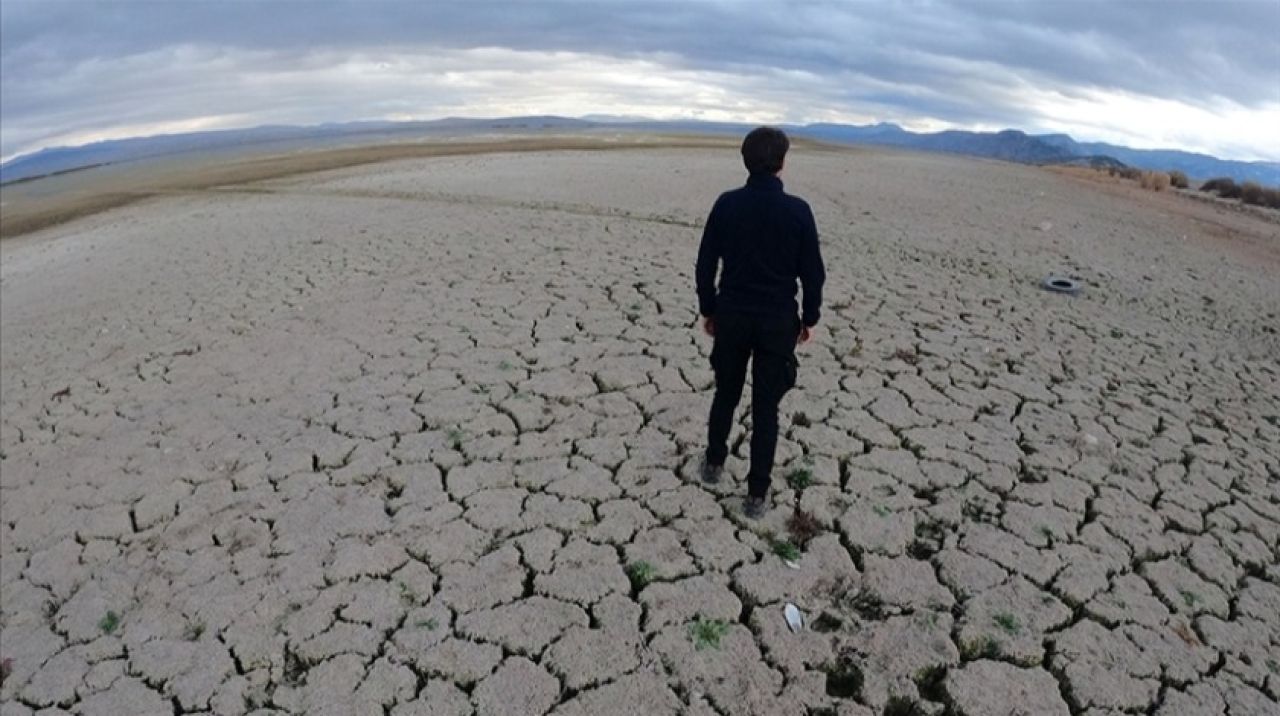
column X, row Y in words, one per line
column 770, row 345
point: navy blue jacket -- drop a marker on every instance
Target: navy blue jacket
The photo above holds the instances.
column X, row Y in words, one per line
column 767, row 239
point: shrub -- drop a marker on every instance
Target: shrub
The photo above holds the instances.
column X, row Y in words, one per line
column 1178, row 179
column 1131, row 173
column 1271, row 198
column 1224, row 186
column 1215, row 183
column 1155, row 181
column 1251, row 192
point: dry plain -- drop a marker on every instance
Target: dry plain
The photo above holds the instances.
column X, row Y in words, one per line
column 419, row 437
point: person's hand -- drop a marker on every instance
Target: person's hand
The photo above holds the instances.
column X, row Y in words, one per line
column 709, row 325
column 806, row 333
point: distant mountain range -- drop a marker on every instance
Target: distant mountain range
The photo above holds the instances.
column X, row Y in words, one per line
column 1008, row 145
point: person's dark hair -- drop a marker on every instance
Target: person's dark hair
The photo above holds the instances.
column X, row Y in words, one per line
column 764, row 149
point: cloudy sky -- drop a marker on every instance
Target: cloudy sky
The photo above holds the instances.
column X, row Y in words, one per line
column 1202, row 75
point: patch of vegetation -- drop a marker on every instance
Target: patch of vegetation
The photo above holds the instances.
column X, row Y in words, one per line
column 194, row 631
column 931, row 680
column 707, row 633
column 1007, row 622
column 1179, row 179
column 907, row 355
column 844, row 678
column 803, row 527
column 866, row 604
column 406, row 593
column 109, row 622
column 455, row 436
column 1273, row 666
column 784, row 549
column 295, row 669
column 641, row 574
column 881, row 510
column 930, row 534
column 800, row 478
column 1224, row 187
column 1155, row 181
column 984, row 647
column 903, row 706
column 826, row 623
column 505, row 364
column 429, row 624
column 1190, row 598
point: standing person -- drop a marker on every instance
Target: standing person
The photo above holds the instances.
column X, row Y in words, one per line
column 766, row 239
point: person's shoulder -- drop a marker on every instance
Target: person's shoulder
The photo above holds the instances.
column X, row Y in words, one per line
column 730, row 194
column 797, row 203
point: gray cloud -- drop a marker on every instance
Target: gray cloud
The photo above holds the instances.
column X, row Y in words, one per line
column 69, row 67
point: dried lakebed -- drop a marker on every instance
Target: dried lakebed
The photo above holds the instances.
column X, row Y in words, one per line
column 421, row 438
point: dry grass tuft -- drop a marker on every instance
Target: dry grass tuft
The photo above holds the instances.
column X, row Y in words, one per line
column 1155, row 181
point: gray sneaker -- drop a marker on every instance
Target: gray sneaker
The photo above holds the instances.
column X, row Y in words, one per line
column 711, row 473
column 754, row 507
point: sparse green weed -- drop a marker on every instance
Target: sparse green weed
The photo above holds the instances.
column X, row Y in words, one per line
column 707, row 632
column 109, row 622
column 641, row 574
column 800, row 478
column 785, row 549
column 984, row 647
column 1007, row 622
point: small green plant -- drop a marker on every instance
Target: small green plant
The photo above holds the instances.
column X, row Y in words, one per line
column 902, row 706
column 505, row 365
column 707, row 632
column 454, row 437
column 881, row 510
column 984, row 647
column 844, row 678
column 1046, row 532
column 1007, row 622
column 785, row 549
column 866, row 603
column 109, row 622
column 406, row 593
column 194, row 631
column 641, row 574
column 1273, row 666
column 930, row 681
column 800, row 478
column 1190, row 598
column 428, row 624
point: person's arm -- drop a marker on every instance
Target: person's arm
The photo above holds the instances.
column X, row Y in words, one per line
column 812, row 272
column 708, row 262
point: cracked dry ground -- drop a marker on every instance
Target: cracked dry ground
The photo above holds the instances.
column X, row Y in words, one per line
column 419, row 438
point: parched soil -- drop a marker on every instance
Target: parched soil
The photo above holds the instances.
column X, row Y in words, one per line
column 422, row 437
